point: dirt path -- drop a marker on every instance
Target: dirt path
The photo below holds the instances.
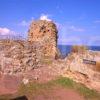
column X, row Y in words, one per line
column 59, row 94
column 9, row 84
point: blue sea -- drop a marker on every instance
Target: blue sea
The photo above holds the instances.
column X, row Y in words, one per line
column 65, row 49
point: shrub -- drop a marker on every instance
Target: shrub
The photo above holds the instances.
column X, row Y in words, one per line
column 79, row 49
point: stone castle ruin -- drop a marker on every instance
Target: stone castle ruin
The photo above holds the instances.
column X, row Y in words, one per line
column 40, row 49
column 22, row 55
column 45, row 33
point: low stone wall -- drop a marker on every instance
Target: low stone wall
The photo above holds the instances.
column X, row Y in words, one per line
column 18, row 56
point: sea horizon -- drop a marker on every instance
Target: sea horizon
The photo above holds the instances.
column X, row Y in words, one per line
column 66, row 49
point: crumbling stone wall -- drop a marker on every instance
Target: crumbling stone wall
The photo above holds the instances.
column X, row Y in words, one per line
column 22, row 55
column 17, row 56
column 44, row 32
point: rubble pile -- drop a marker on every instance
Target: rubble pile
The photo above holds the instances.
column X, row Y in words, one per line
column 17, row 56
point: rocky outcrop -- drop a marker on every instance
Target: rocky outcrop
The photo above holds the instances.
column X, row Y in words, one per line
column 44, row 32
column 75, row 64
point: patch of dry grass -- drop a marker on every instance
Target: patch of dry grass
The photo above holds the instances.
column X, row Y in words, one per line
column 79, row 48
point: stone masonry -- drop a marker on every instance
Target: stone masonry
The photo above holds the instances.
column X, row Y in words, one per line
column 21, row 55
column 44, row 32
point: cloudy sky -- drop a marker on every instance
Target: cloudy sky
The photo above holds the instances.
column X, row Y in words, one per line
column 78, row 21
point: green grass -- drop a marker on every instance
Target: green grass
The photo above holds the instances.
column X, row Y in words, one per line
column 87, row 93
column 30, row 90
column 65, row 82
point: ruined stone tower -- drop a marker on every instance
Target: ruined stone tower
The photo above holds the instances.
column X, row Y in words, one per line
column 45, row 33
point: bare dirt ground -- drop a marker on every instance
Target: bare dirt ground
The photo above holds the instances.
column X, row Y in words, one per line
column 59, row 93
column 9, row 84
column 42, row 75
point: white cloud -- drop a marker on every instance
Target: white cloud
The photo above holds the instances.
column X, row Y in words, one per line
column 97, row 21
column 76, row 29
column 44, row 17
column 5, row 31
column 94, row 40
column 70, row 40
column 65, row 29
column 24, row 23
column 68, row 34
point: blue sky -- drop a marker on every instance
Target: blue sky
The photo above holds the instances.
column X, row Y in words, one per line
column 78, row 21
